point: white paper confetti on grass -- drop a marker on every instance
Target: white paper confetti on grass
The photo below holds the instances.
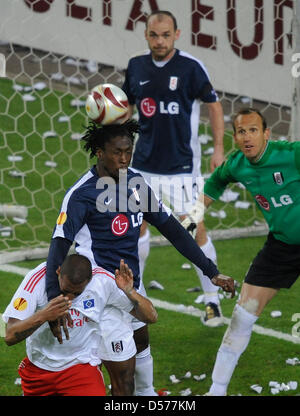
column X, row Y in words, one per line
column 174, row 379
column 256, row 388
column 19, row 220
column 209, row 151
column 274, row 390
column 186, row 392
column 293, row 385
column 28, row 97
column 48, row 134
column 242, row 204
column 13, row 158
column 293, row 361
column 18, row 87
column 188, row 374
column 50, row 164
column 229, row 196
column 18, row 381
column 73, row 80
column 17, row 174
column 155, row 285
column 39, row 86
column 58, row 76
column 218, row 214
column 200, row 378
column 204, row 138
column 63, row 119
column 276, row 314
column 186, row 266
column 77, row 103
column 76, row 136
column 92, row 66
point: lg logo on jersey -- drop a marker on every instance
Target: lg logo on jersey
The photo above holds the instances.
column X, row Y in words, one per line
column 120, row 223
column 149, row 106
column 283, row 200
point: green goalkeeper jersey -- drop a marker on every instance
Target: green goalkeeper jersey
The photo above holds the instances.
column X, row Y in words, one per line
column 273, row 181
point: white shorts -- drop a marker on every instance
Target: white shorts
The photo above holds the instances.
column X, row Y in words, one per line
column 117, row 343
column 178, row 192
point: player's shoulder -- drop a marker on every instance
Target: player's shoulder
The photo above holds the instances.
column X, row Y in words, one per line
column 85, row 182
column 35, row 278
column 284, row 144
column 138, row 56
column 191, row 60
column 102, row 275
column 102, row 281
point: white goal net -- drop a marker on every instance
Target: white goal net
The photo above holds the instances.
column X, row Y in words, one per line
column 53, row 52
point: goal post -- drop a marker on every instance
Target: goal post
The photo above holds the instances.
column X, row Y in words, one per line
column 53, row 52
column 295, row 114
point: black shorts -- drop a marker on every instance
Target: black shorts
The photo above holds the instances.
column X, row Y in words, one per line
column 277, row 265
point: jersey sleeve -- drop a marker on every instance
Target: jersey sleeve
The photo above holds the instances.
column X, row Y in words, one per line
column 71, row 217
column 216, row 184
column 29, row 296
column 126, row 85
column 204, row 90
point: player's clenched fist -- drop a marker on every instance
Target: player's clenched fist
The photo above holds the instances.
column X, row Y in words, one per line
column 225, row 282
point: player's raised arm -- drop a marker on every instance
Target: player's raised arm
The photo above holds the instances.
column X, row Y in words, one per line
column 143, row 307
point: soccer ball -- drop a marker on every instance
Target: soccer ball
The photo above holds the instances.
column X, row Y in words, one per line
column 107, row 104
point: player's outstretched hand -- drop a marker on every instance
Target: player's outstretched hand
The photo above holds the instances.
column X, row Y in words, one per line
column 225, row 282
column 124, row 277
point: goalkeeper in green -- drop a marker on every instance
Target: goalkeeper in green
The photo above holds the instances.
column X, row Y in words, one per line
column 270, row 170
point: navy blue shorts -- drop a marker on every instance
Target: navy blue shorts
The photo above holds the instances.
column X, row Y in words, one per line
column 277, row 265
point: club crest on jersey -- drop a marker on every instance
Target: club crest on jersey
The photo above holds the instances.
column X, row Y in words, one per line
column 89, row 303
column 117, row 346
column 173, row 83
column 278, row 178
column 120, row 225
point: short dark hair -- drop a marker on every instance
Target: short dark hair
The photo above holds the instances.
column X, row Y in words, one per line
column 77, row 268
column 247, row 111
column 160, row 13
column 97, row 135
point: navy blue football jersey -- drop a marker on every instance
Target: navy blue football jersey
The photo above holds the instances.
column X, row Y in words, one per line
column 168, row 101
column 104, row 221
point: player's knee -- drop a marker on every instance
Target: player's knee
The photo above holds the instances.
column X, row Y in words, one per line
column 238, row 333
column 250, row 305
column 123, row 383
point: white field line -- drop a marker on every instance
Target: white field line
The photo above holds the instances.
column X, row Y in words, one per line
column 188, row 310
column 191, row 310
